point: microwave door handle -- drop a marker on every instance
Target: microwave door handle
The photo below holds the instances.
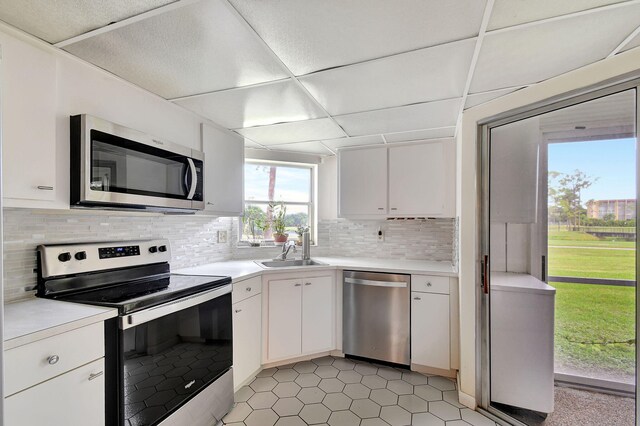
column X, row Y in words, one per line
column 194, row 178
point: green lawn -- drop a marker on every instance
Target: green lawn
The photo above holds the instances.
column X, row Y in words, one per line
column 595, row 325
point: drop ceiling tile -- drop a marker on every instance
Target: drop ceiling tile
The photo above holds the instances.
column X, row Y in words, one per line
column 311, row 36
column 55, row 21
column 506, row 13
column 531, row 54
column 251, row 106
column 481, row 98
column 416, row 135
column 297, row 131
column 304, row 147
column 401, row 119
column 198, row 48
column 633, row 43
column 420, row 76
column 357, row 141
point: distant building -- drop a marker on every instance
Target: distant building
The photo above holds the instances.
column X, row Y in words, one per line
column 620, row 209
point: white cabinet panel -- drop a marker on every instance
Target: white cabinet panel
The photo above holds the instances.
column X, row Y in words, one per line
column 28, row 121
column 285, row 318
column 362, row 182
column 430, row 335
column 417, row 180
column 223, row 172
column 247, row 333
column 317, row 314
column 75, row 398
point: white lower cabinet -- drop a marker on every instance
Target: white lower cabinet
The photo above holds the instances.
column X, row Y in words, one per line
column 301, row 316
column 247, row 332
column 58, row 380
column 74, row 398
column 433, row 333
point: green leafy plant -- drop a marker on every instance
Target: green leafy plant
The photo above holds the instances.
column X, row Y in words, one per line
column 278, row 221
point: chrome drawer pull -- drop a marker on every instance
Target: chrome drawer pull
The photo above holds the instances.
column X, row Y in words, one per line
column 428, row 284
column 45, row 187
column 298, row 285
column 248, row 288
column 417, row 298
column 238, row 311
column 95, row 375
column 53, row 359
column 307, row 283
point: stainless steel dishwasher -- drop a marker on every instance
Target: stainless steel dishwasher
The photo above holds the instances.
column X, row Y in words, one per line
column 375, row 318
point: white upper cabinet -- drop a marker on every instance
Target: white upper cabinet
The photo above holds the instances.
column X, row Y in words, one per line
column 362, row 182
column 416, row 180
column 223, row 172
column 422, row 180
column 28, row 88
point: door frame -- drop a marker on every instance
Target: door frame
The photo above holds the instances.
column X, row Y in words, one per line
column 483, row 241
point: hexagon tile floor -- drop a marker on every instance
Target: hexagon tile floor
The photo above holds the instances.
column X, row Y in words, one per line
column 344, row 392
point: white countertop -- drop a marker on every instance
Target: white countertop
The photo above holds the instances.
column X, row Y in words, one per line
column 35, row 319
column 243, row 269
column 524, row 283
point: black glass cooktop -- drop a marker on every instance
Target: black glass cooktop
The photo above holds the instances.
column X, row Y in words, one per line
column 140, row 294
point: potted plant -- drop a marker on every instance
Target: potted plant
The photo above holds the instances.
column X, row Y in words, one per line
column 301, row 229
column 279, row 225
column 263, row 225
column 253, row 219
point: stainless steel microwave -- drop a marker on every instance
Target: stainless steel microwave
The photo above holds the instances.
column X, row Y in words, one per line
column 115, row 167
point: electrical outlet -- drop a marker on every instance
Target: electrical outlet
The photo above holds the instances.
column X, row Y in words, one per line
column 222, row 236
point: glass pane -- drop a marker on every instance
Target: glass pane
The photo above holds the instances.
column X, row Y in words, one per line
column 277, row 183
column 257, row 216
column 563, row 255
column 123, row 169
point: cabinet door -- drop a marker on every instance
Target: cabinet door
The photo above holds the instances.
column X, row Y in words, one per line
column 318, row 300
column 285, row 318
column 28, row 121
column 418, row 180
column 223, row 171
column 362, row 182
column 430, row 342
column 247, row 332
column 75, row 398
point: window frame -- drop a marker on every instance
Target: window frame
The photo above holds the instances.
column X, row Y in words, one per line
column 313, row 194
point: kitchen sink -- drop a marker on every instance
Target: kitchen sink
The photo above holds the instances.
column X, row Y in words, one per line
column 289, row 263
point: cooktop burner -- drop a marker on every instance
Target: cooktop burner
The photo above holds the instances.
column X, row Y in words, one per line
column 140, row 294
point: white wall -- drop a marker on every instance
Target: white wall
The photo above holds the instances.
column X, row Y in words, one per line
column 467, row 139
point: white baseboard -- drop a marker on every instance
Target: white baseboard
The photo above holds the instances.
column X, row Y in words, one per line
column 466, row 400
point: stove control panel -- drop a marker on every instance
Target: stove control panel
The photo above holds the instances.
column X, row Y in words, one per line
column 121, row 251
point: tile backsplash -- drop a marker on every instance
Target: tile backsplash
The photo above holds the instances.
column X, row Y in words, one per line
column 193, row 239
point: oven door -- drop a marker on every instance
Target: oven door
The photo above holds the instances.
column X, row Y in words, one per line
column 171, row 352
column 121, row 167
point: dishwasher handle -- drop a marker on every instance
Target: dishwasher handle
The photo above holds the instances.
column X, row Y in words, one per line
column 375, row 283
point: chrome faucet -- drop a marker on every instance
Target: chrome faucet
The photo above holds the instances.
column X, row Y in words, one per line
column 285, row 250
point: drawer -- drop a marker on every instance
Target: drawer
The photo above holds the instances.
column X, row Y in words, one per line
column 430, row 284
column 246, row 288
column 34, row 363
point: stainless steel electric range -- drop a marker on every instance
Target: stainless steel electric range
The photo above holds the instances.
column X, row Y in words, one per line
column 168, row 354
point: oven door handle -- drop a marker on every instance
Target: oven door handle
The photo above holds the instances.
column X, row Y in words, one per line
column 137, row 318
column 194, row 178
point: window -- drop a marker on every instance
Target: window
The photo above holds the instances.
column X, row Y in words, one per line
column 270, row 187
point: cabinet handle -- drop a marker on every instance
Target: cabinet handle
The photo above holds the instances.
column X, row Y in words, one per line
column 209, row 203
column 394, row 208
column 380, row 208
column 95, row 375
column 428, row 284
column 298, row 284
column 53, row 359
column 45, row 187
column 307, row 283
column 417, row 298
column 248, row 288
column 238, row 311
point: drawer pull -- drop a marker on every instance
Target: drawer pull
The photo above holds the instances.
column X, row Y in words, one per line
column 298, row 284
column 95, row 375
column 428, row 284
column 307, row 283
column 380, row 208
column 417, row 298
column 248, row 288
column 45, row 187
column 238, row 311
column 53, row 359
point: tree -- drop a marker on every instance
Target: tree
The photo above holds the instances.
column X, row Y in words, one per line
column 566, row 195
